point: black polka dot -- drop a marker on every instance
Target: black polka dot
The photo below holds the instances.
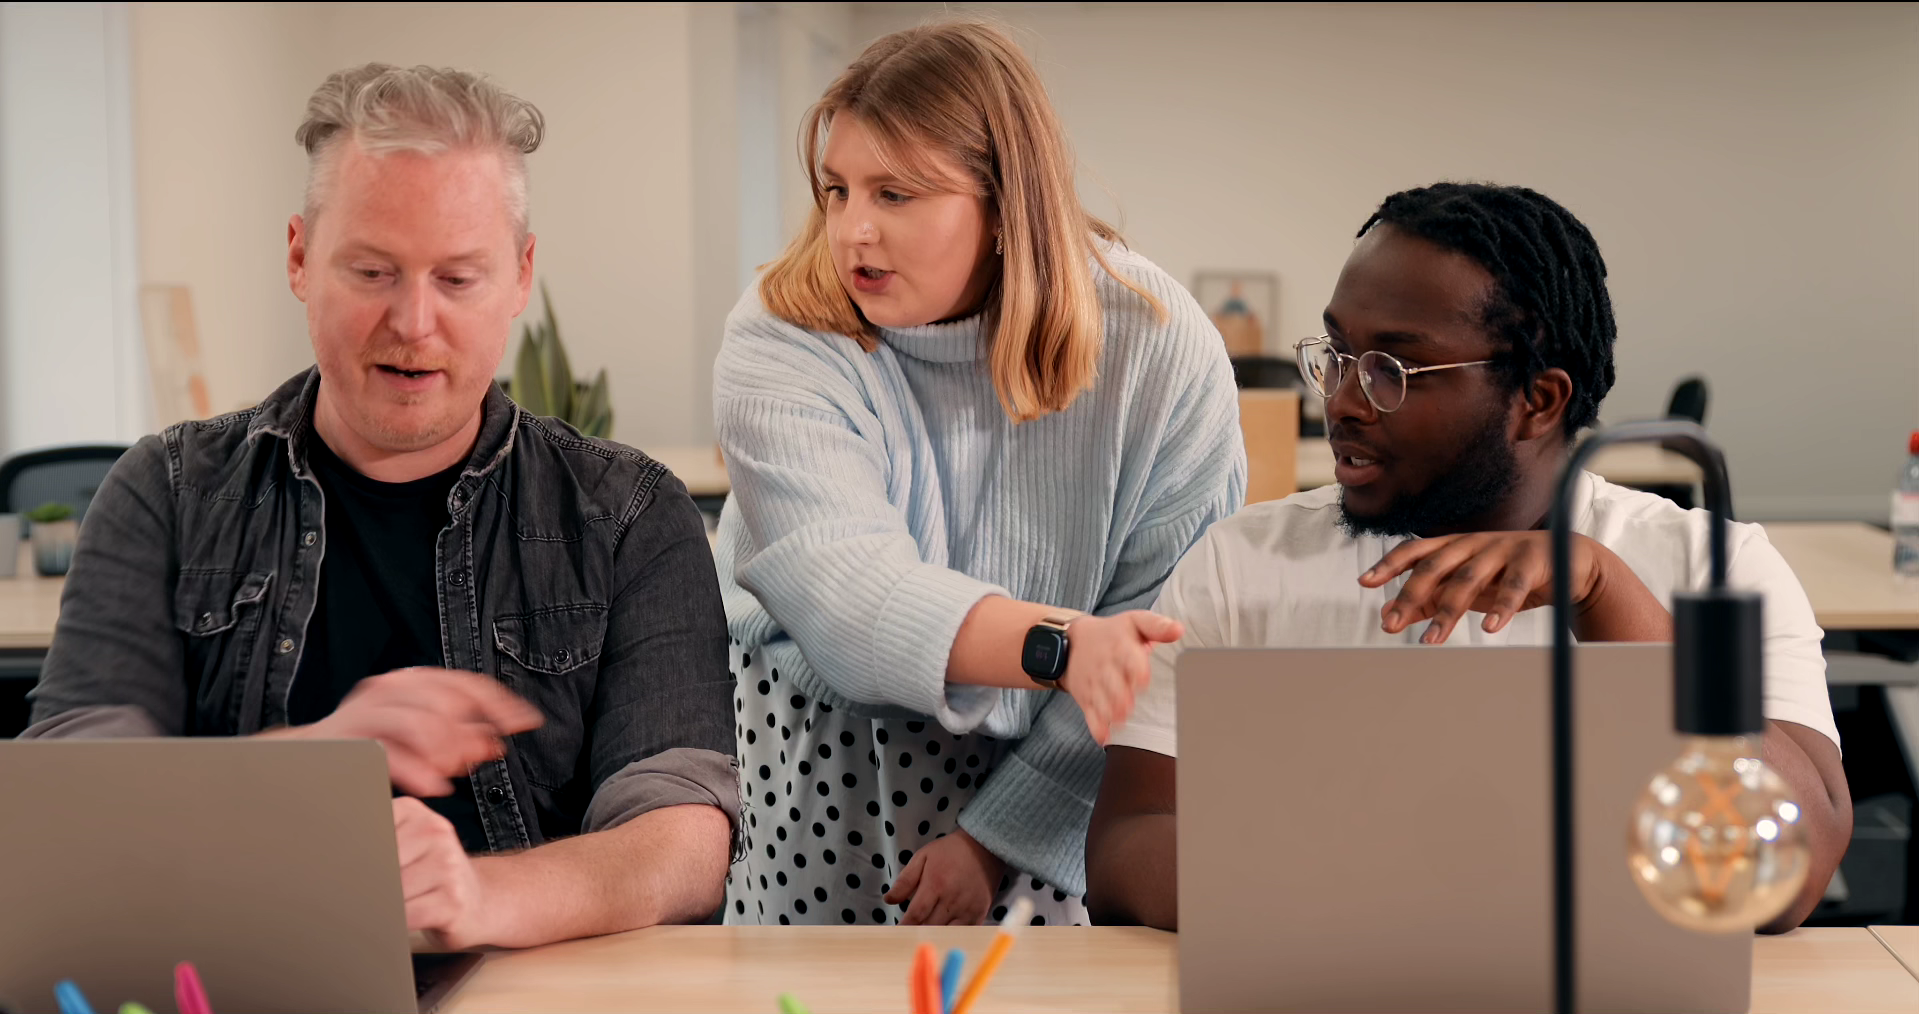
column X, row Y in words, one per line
column 782, row 758
column 880, row 734
column 1059, row 895
column 799, row 905
column 765, row 688
column 793, row 814
column 964, row 781
column 771, row 721
column 899, row 799
column 819, row 894
column 873, row 759
column 752, row 820
column 781, row 832
column 848, row 780
column 925, row 826
column 776, row 675
column 808, row 724
column 739, row 906
column 799, row 860
column 889, row 829
column 1039, row 920
column 825, row 789
column 789, row 788
column 872, row 808
column 852, row 881
column 769, row 852
column 739, row 704
column 798, row 702
column 761, row 904
column 906, row 760
column 825, row 751
column 806, row 767
column 906, row 856
column 751, row 736
column 846, row 739
column 854, row 838
column 916, row 727
column 933, row 747
column 785, row 733
column 847, row 916
column 879, row 915
column 745, row 660
column 879, row 861
column 819, row 829
column 926, row 786
column 888, row 889
column 999, row 913
column 941, row 806
column 1038, row 884
column 832, row 813
column 830, row 857
column 826, row 709
column 762, row 887
column 951, row 765
column 769, row 799
column 784, row 921
column 972, row 760
column 765, row 772
column 780, row 878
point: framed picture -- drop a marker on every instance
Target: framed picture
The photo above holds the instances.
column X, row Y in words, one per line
column 1244, row 305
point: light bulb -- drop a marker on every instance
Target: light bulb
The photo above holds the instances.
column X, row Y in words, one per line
column 1717, row 843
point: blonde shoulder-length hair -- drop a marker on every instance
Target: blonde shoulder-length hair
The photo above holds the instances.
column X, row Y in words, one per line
column 965, row 90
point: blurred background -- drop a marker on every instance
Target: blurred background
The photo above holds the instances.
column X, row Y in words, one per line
column 1751, row 172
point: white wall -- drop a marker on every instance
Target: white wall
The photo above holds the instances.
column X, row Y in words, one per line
column 1751, row 172
column 71, row 369
column 638, row 106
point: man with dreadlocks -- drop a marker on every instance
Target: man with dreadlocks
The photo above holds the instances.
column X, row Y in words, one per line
column 1468, row 341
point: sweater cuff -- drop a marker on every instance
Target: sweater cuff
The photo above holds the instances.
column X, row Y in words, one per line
column 913, row 639
column 1034, row 811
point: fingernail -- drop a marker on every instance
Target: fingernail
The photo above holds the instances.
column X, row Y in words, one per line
column 1431, row 634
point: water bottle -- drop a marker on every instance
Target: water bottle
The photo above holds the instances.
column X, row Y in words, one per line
column 1905, row 516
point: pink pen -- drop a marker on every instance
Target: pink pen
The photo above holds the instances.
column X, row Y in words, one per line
column 188, row 994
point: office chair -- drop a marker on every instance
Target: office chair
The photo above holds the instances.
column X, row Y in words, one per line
column 68, row 475
column 1688, row 402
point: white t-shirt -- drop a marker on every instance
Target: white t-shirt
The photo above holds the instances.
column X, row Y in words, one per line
column 1284, row 574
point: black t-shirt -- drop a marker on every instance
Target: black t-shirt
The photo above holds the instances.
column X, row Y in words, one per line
column 379, row 605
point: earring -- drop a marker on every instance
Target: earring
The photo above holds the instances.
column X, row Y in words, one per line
column 999, row 244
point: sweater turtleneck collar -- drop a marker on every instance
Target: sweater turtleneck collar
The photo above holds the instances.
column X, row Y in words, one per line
column 956, row 341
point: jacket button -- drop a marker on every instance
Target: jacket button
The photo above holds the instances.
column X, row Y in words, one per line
column 206, row 621
column 459, row 579
column 495, row 795
column 563, row 656
column 286, row 645
column 309, row 538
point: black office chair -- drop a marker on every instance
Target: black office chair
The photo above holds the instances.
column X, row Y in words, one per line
column 68, row 475
column 1688, row 401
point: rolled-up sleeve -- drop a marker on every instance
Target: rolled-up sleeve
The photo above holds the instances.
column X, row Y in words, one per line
column 661, row 721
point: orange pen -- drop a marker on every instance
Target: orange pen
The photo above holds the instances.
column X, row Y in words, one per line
column 926, row 981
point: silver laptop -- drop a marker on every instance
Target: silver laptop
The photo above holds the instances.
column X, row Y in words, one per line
column 271, row 866
column 1369, row 829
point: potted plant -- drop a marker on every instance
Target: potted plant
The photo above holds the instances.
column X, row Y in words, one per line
column 543, row 381
column 54, row 534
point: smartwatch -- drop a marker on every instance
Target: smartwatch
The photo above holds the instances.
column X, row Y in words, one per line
column 1043, row 656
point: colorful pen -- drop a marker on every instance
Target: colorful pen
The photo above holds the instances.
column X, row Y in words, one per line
column 188, row 993
column 1009, row 928
column 925, row 980
column 788, row 1005
column 71, row 1000
column 950, row 979
column 133, row 1008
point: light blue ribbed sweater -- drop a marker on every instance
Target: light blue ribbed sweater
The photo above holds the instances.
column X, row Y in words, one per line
column 878, row 496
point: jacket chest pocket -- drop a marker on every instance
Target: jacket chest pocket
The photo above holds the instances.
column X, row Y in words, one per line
column 551, row 658
column 218, row 615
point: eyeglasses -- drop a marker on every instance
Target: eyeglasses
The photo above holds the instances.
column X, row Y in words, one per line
column 1381, row 377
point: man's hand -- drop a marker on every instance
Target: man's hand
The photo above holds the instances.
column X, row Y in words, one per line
column 442, row 887
column 434, row 723
column 950, row 882
column 1110, row 663
column 1504, row 573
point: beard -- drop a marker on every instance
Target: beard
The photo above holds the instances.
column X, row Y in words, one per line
column 1472, row 489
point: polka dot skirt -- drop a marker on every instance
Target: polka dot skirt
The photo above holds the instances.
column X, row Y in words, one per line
column 836, row 806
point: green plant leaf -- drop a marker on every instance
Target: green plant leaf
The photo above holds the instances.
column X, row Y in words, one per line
column 593, row 416
column 529, row 381
column 48, row 513
column 558, row 371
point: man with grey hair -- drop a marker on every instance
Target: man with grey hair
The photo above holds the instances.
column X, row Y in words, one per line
column 527, row 619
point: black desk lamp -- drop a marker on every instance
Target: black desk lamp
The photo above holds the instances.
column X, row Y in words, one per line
column 1715, row 841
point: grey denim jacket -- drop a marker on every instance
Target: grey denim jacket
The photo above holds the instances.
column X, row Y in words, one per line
column 575, row 571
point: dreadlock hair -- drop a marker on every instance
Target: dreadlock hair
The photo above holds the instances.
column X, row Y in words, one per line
column 1548, row 302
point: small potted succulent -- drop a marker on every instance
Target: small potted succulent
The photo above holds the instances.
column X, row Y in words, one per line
column 54, row 534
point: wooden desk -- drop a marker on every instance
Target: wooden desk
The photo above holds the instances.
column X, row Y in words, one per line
column 29, row 607
column 1846, row 569
column 716, row 968
column 1903, row 942
column 1625, row 464
column 699, row 467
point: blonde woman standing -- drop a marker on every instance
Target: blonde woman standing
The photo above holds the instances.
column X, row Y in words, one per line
column 969, row 434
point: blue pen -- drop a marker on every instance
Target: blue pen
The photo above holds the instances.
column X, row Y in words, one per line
column 950, row 979
column 72, row 1001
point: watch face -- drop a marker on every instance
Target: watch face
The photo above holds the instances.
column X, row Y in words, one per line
column 1044, row 655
